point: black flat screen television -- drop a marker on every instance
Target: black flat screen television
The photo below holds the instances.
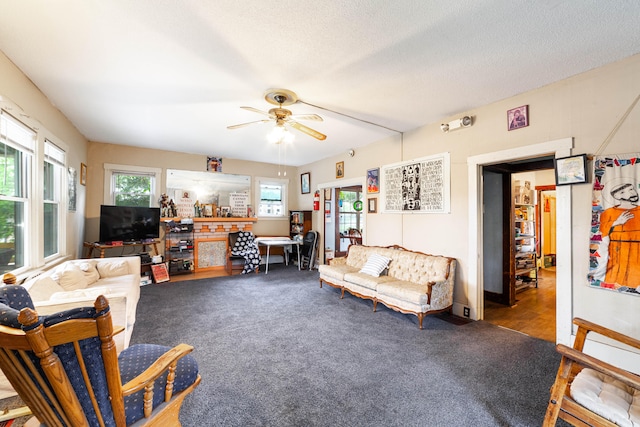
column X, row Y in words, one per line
column 129, row 223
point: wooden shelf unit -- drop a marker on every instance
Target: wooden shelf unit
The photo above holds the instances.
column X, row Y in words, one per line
column 299, row 223
column 525, row 257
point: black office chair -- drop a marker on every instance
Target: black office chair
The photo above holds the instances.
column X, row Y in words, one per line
column 309, row 249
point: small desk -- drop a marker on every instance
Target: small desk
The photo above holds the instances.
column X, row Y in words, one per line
column 278, row 241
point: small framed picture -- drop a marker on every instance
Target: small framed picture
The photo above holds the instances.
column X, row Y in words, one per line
column 571, row 170
column 83, row 174
column 373, row 180
column 160, row 272
column 518, row 117
column 207, row 210
column 305, row 183
column 327, row 193
column 225, row 211
column 340, row 170
column 214, row 164
column 372, row 205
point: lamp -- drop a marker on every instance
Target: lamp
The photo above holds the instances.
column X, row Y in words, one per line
column 465, row 121
column 280, row 134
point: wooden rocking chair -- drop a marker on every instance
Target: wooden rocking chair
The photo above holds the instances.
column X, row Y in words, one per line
column 65, row 368
column 590, row 392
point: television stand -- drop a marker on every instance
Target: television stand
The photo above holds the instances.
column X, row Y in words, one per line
column 91, row 248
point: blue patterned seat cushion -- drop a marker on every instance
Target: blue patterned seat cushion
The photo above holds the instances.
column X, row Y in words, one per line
column 135, row 359
column 13, row 298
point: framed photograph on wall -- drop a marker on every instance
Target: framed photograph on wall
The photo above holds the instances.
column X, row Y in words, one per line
column 340, row 170
column 571, row 170
column 372, row 205
column 373, row 180
column 214, row 164
column 327, row 193
column 518, row 117
column 83, row 174
column 305, row 183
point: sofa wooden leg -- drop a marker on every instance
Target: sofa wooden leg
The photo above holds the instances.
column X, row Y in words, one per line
column 320, row 282
column 341, row 293
column 420, row 317
column 375, row 305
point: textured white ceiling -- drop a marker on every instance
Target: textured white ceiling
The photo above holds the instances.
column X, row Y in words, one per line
column 173, row 74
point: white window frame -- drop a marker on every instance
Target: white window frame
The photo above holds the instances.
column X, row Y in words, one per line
column 30, row 181
column 109, row 189
column 284, row 184
column 57, row 156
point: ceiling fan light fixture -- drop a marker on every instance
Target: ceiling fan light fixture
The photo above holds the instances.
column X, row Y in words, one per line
column 280, row 134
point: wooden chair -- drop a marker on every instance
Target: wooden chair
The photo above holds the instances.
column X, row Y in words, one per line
column 65, row 368
column 234, row 262
column 237, row 262
column 576, row 367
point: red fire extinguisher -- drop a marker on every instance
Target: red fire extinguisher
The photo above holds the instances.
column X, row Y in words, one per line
column 316, row 201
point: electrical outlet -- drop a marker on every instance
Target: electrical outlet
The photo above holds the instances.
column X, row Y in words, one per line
column 466, row 312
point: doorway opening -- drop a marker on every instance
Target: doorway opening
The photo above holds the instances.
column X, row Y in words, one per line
column 343, row 219
column 519, row 229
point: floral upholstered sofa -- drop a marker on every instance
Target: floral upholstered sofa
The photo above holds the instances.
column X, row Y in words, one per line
column 406, row 281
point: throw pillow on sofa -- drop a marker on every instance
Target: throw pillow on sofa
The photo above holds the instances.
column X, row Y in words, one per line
column 70, row 277
column 375, row 265
column 113, row 268
column 43, row 288
column 90, row 272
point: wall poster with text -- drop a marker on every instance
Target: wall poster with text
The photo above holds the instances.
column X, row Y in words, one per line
column 417, row 186
column 614, row 251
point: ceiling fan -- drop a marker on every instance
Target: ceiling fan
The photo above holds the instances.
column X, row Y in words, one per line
column 282, row 116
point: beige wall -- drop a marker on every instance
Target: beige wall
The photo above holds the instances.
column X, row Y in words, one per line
column 17, row 89
column 585, row 107
column 101, row 153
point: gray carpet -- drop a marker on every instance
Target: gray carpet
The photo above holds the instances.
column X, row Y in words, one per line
column 276, row 350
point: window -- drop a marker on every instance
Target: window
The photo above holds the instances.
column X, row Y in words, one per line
column 272, row 195
column 131, row 185
column 349, row 217
column 53, row 179
column 17, row 143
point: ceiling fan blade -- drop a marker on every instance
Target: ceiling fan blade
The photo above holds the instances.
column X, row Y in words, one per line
column 255, row 110
column 314, row 117
column 247, row 124
column 307, row 130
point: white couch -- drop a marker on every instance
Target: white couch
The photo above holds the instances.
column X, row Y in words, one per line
column 411, row 282
column 77, row 283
